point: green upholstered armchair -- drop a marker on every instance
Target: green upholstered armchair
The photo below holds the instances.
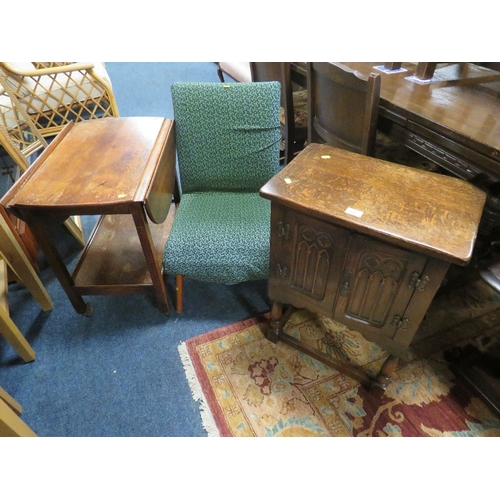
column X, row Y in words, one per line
column 228, row 139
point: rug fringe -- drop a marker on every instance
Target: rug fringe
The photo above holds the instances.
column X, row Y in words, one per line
column 197, row 393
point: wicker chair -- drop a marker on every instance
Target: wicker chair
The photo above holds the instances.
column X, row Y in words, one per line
column 21, row 140
column 19, row 136
column 54, row 93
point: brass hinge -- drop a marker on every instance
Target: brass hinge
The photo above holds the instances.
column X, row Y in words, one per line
column 346, row 284
column 399, row 322
column 283, row 230
column 281, row 271
column 418, row 283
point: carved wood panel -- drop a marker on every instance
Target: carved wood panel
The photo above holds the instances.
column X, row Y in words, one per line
column 307, row 256
column 313, row 258
column 377, row 284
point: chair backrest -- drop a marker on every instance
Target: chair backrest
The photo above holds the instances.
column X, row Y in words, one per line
column 54, row 93
column 227, row 135
column 277, row 72
column 273, row 72
column 342, row 107
column 293, row 135
column 238, row 71
column 18, row 134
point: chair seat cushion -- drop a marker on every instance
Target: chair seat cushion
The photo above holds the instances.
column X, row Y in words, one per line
column 220, row 237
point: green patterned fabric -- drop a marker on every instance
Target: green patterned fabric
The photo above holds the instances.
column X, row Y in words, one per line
column 227, row 135
column 228, row 147
column 220, row 237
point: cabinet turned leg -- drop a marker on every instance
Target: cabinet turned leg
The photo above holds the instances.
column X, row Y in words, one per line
column 274, row 327
column 278, row 320
column 384, row 377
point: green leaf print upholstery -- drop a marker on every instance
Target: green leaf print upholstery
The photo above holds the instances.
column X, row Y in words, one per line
column 228, row 147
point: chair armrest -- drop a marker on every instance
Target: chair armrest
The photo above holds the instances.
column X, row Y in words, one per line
column 48, row 71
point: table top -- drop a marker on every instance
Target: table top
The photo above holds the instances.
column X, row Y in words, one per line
column 94, row 166
column 462, row 102
column 430, row 213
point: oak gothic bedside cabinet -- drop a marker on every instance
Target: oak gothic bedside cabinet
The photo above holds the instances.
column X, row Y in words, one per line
column 366, row 242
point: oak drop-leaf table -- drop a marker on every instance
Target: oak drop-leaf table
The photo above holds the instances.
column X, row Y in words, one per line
column 366, row 242
column 122, row 169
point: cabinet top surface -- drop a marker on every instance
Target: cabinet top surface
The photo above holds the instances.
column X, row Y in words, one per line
column 95, row 163
column 426, row 212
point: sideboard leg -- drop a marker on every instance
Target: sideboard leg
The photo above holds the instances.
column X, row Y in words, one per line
column 384, row 377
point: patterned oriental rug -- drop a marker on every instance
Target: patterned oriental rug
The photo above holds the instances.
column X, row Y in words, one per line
column 248, row 386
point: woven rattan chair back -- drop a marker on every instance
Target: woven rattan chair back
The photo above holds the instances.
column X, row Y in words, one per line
column 54, row 93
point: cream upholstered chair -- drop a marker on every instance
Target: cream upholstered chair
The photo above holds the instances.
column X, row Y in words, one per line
column 238, row 71
column 54, row 93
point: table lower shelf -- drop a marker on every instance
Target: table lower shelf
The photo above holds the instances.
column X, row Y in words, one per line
column 113, row 260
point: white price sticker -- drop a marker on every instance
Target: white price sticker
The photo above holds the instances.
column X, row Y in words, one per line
column 353, row 211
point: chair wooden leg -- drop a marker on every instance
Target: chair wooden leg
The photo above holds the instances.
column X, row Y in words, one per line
column 178, row 293
column 8, row 329
column 74, row 226
column 11, row 424
column 16, row 407
column 11, row 333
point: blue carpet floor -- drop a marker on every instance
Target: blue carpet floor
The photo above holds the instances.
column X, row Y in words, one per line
column 118, row 372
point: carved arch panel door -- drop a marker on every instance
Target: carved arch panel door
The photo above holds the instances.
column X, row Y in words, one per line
column 307, row 257
column 378, row 282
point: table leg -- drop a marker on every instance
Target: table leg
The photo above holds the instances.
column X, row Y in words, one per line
column 160, row 289
column 425, row 70
column 41, row 233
